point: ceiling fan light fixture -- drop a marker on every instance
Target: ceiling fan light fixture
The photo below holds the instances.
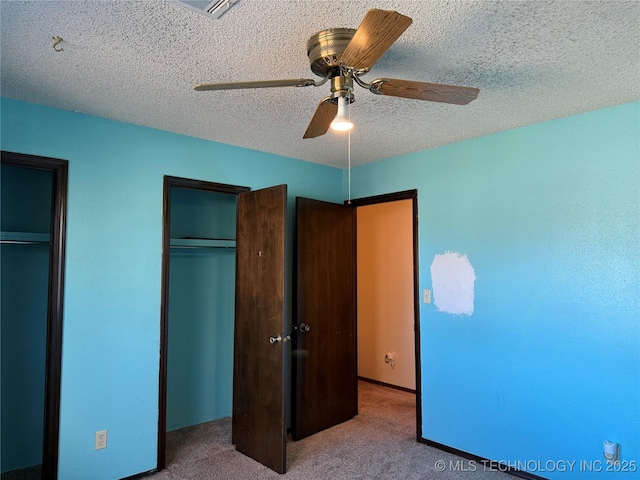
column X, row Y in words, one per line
column 341, row 122
column 342, row 55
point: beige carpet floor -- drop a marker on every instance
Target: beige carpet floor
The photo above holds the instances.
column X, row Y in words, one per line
column 380, row 443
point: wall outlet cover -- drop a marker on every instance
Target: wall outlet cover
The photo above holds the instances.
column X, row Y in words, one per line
column 101, row 439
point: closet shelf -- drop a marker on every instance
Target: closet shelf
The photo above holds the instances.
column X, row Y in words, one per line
column 202, row 243
column 25, row 238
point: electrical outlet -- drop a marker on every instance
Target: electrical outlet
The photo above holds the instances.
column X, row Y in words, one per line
column 101, row 439
column 427, row 296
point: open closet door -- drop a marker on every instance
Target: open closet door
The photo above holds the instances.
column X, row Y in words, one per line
column 324, row 340
column 258, row 426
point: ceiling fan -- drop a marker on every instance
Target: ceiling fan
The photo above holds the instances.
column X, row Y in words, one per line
column 342, row 55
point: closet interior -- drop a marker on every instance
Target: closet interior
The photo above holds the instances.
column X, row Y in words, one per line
column 201, row 304
column 25, row 247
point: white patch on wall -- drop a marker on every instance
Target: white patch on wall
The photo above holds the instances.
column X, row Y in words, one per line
column 452, row 281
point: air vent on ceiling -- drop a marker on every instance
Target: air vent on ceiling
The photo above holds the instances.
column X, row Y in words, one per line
column 215, row 8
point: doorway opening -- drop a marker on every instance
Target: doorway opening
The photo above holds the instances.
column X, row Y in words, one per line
column 387, row 294
column 197, row 310
column 34, row 204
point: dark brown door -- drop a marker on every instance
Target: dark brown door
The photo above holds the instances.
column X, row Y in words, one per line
column 258, row 426
column 324, row 342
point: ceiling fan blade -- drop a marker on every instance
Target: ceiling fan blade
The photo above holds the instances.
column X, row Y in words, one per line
column 433, row 92
column 322, row 118
column 376, row 33
column 299, row 82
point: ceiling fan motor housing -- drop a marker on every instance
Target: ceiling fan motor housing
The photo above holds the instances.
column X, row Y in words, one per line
column 341, row 86
column 325, row 48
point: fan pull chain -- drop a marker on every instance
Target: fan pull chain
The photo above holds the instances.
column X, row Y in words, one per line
column 349, row 151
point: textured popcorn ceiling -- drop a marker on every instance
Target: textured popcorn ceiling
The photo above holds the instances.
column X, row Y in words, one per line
column 136, row 61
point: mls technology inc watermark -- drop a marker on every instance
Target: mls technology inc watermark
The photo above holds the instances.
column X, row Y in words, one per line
column 536, row 466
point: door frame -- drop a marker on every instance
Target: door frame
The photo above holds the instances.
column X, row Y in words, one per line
column 393, row 197
column 53, row 368
column 168, row 183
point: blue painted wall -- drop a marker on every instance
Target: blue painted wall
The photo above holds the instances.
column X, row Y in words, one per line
column 201, row 315
column 114, row 245
column 26, row 199
column 546, row 368
column 24, row 280
column 548, row 365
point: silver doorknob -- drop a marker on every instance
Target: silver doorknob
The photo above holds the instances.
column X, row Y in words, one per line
column 275, row 339
column 303, row 327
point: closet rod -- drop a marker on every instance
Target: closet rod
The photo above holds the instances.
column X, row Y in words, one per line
column 190, row 247
column 23, row 242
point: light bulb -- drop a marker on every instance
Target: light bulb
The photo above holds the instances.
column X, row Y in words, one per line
column 341, row 122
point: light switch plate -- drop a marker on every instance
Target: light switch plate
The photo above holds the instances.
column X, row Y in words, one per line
column 427, row 296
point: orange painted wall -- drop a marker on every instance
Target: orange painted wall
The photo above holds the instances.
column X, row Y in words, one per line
column 385, row 292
